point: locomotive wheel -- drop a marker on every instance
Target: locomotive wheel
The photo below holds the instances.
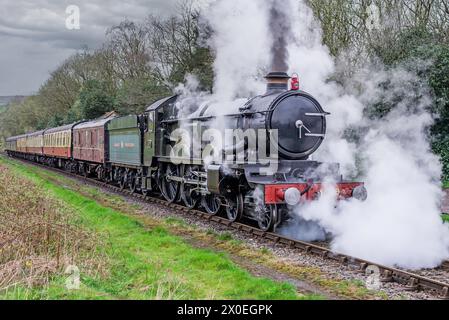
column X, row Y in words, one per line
column 100, row 174
column 268, row 218
column 122, row 180
column 234, row 207
column 146, row 193
column 188, row 195
column 109, row 176
column 122, row 183
column 132, row 182
column 211, row 203
column 170, row 188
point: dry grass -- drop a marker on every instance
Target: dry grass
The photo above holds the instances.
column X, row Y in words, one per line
column 145, row 260
column 38, row 238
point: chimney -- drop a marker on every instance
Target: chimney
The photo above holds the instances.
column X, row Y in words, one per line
column 277, row 81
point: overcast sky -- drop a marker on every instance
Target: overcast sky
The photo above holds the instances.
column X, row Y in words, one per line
column 34, row 39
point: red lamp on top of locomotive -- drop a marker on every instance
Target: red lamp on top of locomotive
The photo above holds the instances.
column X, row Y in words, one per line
column 294, row 82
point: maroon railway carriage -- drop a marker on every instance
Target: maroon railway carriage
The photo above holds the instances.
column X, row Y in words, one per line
column 90, row 148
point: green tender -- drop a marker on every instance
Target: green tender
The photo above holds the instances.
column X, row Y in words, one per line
column 125, row 141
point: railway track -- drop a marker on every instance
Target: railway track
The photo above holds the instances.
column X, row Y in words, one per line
column 410, row 280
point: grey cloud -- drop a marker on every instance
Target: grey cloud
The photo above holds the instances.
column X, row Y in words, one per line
column 34, row 39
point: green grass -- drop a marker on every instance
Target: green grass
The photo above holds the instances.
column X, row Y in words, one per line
column 445, row 217
column 148, row 263
column 225, row 236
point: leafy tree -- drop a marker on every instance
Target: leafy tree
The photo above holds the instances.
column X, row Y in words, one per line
column 75, row 113
column 403, row 47
column 441, row 148
column 136, row 94
column 94, row 100
column 439, row 81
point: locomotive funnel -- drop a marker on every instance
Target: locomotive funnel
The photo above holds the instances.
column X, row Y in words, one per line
column 277, row 81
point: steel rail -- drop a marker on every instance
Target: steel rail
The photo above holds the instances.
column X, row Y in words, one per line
column 412, row 281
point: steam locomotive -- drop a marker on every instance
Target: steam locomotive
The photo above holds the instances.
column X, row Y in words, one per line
column 147, row 153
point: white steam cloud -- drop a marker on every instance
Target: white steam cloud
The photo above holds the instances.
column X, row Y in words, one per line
column 400, row 223
column 240, row 43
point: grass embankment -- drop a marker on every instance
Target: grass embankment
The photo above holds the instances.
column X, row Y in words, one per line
column 129, row 259
column 258, row 261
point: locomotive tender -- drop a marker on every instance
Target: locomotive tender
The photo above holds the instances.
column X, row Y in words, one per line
column 137, row 152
